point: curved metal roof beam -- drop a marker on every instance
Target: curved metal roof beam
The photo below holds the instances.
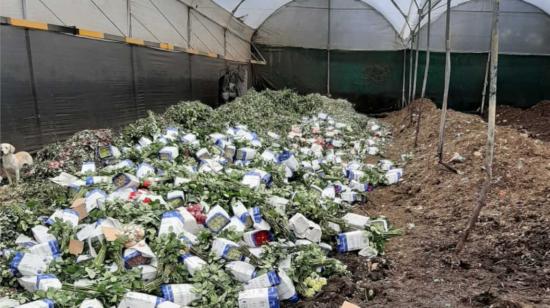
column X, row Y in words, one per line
column 404, row 23
column 437, row 11
column 364, row 2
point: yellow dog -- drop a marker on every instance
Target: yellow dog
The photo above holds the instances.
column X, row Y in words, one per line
column 13, row 162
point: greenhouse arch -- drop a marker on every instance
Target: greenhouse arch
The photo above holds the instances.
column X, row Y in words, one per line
column 369, row 72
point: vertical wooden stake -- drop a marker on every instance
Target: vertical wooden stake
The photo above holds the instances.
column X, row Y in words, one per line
column 416, row 57
column 490, row 131
column 426, row 70
column 447, row 82
column 486, row 79
column 419, row 112
column 427, row 66
column 411, row 69
column 493, row 90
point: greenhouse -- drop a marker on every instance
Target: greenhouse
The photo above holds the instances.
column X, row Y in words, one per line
column 254, row 153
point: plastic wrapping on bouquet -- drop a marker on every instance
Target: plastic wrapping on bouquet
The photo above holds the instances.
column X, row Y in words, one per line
column 141, row 300
column 168, row 153
column 181, row 294
column 229, row 250
column 269, row 279
column 351, row 241
column 145, row 170
column 257, row 238
column 126, row 180
column 217, row 219
column 107, row 152
column 192, row 263
column 241, row 270
column 88, row 167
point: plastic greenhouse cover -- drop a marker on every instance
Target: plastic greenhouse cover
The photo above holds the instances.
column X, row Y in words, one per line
column 401, row 14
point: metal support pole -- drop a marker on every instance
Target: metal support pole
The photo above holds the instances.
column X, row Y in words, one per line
column 189, row 55
column 189, row 27
column 24, row 8
column 403, row 99
column 328, row 48
column 33, row 84
column 225, row 42
column 129, row 17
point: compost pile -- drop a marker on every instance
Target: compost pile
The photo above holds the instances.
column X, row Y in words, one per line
column 242, row 206
column 506, row 260
column 532, row 121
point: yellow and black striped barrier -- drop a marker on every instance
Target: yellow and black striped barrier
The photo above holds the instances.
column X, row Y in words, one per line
column 23, row 23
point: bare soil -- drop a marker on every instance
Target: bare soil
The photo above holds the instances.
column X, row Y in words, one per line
column 506, row 262
column 534, row 121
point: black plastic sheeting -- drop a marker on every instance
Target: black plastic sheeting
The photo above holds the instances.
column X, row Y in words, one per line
column 53, row 85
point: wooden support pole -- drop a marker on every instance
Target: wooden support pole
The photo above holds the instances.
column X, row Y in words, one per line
column 426, row 70
column 419, row 115
column 486, row 79
column 490, row 130
column 411, row 69
column 416, row 57
column 447, row 83
column 427, row 66
column 493, row 89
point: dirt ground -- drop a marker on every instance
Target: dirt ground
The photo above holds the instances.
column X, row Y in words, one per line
column 534, row 121
column 506, row 262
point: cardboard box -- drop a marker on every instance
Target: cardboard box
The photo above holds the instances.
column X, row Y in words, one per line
column 111, row 234
column 76, row 247
column 347, row 304
column 79, row 205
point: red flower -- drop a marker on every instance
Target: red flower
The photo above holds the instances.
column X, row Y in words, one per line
column 132, row 195
column 195, row 209
column 146, row 183
column 261, row 237
column 200, row 218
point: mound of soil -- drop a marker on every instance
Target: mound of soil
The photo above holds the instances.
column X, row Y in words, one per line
column 534, row 121
column 506, row 262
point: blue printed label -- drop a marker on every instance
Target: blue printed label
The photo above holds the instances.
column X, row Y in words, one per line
column 273, row 298
column 167, row 292
column 342, row 243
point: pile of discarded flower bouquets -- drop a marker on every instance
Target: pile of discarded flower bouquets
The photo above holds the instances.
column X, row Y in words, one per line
column 197, row 209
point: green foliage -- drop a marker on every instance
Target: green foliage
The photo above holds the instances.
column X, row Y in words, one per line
column 262, row 112
column 215, row 287
column 146, row 127
column 189, row 115
column 379, row 237
column 311, row 262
